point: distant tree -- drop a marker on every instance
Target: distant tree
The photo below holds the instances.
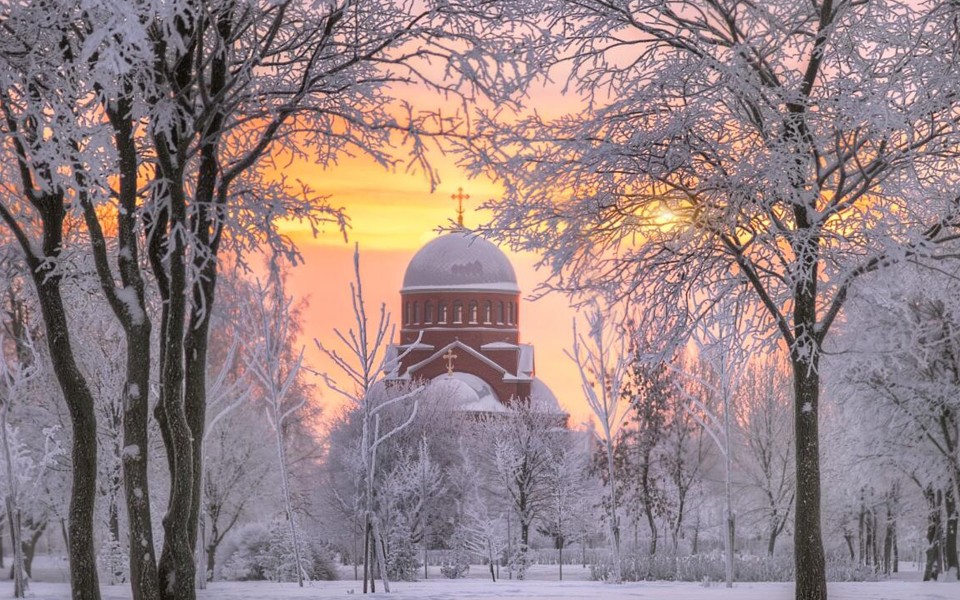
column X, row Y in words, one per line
column 565, row 489
column 905, row 364
column 364, row 364
column 276, row 365
column 648, row 389
column 518, row 447
column 763, row 420
column 602, row 361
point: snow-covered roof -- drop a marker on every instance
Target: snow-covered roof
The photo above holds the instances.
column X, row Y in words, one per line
column 499, row 346
column 460, row 261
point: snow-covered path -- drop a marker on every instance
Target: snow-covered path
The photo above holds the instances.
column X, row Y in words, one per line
column 437, row 589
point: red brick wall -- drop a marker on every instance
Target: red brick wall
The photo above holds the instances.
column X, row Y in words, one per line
column 472, row 334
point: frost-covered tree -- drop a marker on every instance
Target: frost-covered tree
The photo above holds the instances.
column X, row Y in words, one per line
column 566, row 487
column 766, row 436
column 649, row 389
column 602, row 359
column 161, row 118
column 906, row 364
column 364, row 365
column 277, row 367
column 518, row 447
column 771, row 152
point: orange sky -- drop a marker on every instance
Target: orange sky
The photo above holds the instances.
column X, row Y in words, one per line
column 392, row 215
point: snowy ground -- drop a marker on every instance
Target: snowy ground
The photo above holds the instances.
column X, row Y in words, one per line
column 437, row 589
column 542, row 584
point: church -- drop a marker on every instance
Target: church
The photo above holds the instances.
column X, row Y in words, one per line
column 460, row 327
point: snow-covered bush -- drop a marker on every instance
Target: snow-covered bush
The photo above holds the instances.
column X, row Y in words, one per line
column 402, row 561
column 711, row 567
column 265, row 552
column 457, row 564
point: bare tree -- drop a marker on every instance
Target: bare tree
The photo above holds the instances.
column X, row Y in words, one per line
column 735, row 149
column 602, row 361
column 365, row 367
column 720, row 361
column 763, row 421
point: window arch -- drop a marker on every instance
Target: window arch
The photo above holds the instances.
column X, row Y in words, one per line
column 457, row 311
column 500, row 313
column 442, row 313
column 487, row 312
column 473, row 311
column 407, row 309
column 416, row 312
column 428, row 312
column 510, row 313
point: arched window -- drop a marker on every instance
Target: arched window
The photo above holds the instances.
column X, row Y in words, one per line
column 428, row 312
column 473, row 311
column 407, row 312
column 457, row 312
column 442, row 313
column 500, row 313
column 510, row 313
column 487, row 312
column 416, row 312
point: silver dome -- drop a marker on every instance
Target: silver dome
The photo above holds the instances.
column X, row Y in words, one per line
column 460, row 261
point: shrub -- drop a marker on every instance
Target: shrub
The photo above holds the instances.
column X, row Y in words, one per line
column 712, row 567
column 402, row 562
column 457, row 564
column 265, row 552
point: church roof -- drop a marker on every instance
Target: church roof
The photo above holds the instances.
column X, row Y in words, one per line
column 460, row 261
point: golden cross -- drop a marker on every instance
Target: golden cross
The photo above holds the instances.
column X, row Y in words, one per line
column 460, row 197
column 449, row 356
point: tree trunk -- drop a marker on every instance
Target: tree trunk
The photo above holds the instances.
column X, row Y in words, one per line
column 144, row 581
column 560, row 560
column 951, row 534
column 614, row 512
column 176, row 569
column 211, row 559
column 285, row 487
column 848, row 537
column 931, row 569
column 195, row 384
column 137, row 328
column 653, row 532
column 30, row 549
column 84, row 584
column 695, row 543
column 808, row 540
column 772, row 539
column 366, row 553
column 888, row 545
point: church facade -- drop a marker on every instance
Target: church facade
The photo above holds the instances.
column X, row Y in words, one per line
column 460, row 327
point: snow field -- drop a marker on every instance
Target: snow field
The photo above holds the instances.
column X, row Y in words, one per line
column 470, row 589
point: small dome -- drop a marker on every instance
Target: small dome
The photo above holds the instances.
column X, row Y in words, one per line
column 542, row 398
column 460, row 261
column 466, row 392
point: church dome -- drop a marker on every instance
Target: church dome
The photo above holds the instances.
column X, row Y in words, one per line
column 466, row 392
column 460, row 261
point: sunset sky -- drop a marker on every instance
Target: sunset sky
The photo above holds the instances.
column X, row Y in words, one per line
column 392, row 215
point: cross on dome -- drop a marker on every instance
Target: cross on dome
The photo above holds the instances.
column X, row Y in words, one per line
column 460, row 197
